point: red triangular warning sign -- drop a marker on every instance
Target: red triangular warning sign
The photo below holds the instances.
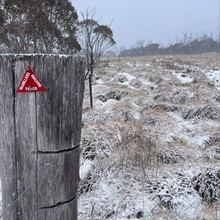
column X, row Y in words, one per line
column 30, row 82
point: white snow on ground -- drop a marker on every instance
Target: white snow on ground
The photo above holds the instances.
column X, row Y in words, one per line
column 184, row 126
column 152, row 145
column 214, row 76
column 184, row 78
column 137, row 64
column 146, row 82
column 128, row 76
column 100, row 81
column 85, row 168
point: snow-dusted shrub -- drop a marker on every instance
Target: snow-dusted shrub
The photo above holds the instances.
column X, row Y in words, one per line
column 179, row 98
column 116, row 195
column 88, row 149
column 117, row 95
column 207, row 112
column 171, row 65
column 137, row 146
column 102, row 139
column 85, row 185
column 127, row 115
column 212, row 154
column 165, row 107
column 122, row 79
column 97, row 144
column 207, row 184
column 149, row 120
column 139, row 101
column 175, row 193
column 102, row 98
column 164, row 93
column 199, row 79
column 135, row 83
column 212, row 140
column 170, row 156
column 154, row 79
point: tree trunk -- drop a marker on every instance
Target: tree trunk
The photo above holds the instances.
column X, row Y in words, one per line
column 90, row 91
column 40, row 137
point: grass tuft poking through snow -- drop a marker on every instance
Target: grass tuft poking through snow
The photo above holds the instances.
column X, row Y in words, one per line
column 150, row 147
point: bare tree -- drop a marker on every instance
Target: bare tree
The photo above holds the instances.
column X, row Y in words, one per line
column 140, row 44
column 118, row 51
column 95, row 39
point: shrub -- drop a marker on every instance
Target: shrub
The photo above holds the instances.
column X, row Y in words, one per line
column 207, row 184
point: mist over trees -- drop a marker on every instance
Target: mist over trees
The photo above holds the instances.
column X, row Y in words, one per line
column 189, row 45
column 52, row 26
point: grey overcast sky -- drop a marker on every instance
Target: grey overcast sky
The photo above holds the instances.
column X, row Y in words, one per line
column 160, row 21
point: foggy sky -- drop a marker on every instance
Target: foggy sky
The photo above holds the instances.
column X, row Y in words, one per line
column 160, row 21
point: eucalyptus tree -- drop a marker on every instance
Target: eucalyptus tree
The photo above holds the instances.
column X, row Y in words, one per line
column 45, row 26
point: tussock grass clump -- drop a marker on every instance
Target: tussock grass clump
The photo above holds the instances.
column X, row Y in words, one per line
column 212, row 154
column 212, row 140
column 206, row 112
column 170, row 156
column 87, row 149
column 135, row 83
column 123, row 153
column 149, row 120
column 165, row 107
column 207, row 184
column 152, row 118
column 174, row 192
column 170, row 65
column 116, row 95
column 179, row 97
column 137, row 146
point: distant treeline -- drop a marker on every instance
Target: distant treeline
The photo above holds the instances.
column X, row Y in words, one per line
column 196, row 46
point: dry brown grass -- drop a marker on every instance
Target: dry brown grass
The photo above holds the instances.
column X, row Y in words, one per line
column 137, row 147
column 161, row 139
column 125, row 104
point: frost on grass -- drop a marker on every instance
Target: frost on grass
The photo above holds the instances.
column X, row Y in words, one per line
column 175, row 193
column 120, row 196
column 207, row 112
column 117, row 95
column 117, row 168
column 207, row 184
column 150, row 147
column 171, row 156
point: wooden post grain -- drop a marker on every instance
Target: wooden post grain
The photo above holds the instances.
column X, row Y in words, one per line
column 39, row 137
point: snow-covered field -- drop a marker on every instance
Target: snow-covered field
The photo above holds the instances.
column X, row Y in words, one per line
column 151, row 145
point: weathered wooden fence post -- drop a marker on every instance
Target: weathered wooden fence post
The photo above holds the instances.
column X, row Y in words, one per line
column 40, row 136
